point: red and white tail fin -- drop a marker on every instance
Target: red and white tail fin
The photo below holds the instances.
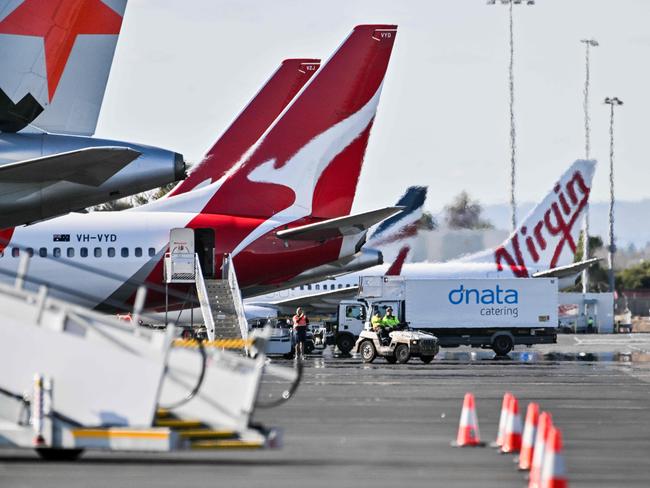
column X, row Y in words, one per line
column 548, row 236
column 395, row 269
column 309, row 160
column 56, row 56
column 251, row 123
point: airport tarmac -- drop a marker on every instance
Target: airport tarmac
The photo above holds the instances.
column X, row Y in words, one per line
column 359, row 425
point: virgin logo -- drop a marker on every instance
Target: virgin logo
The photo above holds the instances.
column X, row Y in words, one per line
column 555, row 228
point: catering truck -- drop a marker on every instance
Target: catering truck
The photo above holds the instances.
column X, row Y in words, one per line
column 488, row 313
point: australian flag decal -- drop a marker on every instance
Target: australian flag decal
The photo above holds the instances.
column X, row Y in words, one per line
column 61, row 237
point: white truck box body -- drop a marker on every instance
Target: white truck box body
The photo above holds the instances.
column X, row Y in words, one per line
column 469, row 303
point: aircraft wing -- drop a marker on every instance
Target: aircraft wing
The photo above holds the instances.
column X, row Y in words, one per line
column 326, row 301
column 338, row 227
column 566, row 271
column 89, row 166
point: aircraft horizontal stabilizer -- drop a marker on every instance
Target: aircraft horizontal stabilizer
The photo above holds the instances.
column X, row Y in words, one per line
column 566, row 271
column 324, row 302
column 339, row 226
column 89, row 166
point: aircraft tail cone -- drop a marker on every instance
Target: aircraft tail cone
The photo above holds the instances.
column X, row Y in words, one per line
column 468, row 432
column 528, row 438
column 553, row 470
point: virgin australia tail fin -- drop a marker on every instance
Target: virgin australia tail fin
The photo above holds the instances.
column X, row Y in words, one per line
column 547, row 237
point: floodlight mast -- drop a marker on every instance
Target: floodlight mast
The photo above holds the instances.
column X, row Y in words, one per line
column 511, row 86
column 612, row 102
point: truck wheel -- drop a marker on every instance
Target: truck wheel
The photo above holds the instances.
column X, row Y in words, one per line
column 391, row 359
column 402, row 354
column 368, row 352
column 426, row 359
column 502, row 344
column 345, row 343
column 49, row 454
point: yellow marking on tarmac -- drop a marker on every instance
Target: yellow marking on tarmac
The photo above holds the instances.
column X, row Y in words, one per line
column 131, row 434
column 217, row 343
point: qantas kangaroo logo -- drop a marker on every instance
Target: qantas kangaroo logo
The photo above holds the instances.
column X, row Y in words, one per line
column 557, row 222
column 303, row 170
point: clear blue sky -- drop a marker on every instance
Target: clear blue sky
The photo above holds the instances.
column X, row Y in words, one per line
column 183, row 70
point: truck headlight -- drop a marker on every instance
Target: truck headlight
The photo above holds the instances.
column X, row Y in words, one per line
column 414, row 341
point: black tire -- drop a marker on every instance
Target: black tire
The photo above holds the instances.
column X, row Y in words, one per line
column 391, row 359
column 426, row 359
column 345, row 343
column 402, row 353
column 48, row 454
column 368, row 351
column 502, row 345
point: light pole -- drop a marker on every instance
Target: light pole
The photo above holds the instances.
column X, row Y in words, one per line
column 612, row 102
column 589, row 43
column 511, row 79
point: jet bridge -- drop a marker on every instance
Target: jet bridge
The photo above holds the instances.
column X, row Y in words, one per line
column 74, row 379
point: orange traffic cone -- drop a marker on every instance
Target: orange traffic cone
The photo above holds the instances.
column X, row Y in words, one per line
column 553, row 471
column 528, row 438
column 502, row 420
column 468, row 433
column 512, row 437
column 544, row 425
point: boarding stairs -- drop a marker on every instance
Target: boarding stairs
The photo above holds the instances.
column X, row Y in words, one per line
column 220, row 300
column 72, row 379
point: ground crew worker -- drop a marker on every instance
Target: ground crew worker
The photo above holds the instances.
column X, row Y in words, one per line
column 375, row 321
column 300, row 329
column 388, row 323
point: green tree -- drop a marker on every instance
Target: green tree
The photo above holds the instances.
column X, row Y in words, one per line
column 635, row 277
column 465, row 213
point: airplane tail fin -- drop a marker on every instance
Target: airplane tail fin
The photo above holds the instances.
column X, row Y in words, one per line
column 548, row 236
column 401, row 229
column 308, row 162
column 55, row 63
column 251, row 123
column 395, row 269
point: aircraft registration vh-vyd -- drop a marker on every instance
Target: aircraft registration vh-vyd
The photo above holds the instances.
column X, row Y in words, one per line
column 55, row 59
column 282, row 209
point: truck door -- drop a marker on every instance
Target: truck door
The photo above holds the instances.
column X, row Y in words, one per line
column 353, row 318
column 204, row 245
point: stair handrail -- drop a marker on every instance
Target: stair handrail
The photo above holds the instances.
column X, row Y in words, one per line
column 204, row 301
column 228, row 269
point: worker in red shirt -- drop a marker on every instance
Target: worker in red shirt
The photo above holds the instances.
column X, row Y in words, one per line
column 300, row 322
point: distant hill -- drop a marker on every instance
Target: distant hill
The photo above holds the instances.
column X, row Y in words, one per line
column 631, row 220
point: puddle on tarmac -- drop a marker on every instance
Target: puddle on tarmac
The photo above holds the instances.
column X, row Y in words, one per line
column 536, row 356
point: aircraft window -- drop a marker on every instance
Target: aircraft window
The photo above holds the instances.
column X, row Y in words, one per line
column 152, row 252
column 138, row 252
column 70, row 252
column 56, row 252
column 301, row 287
column 42, row 252
column 324, row 287
column 15, row 252
column 309, row 287
column 317, row 287
column 125, row 252
column 340, row 286
column 30, row 251
column 83, row 252
column 347, row 285
column 111, row 252
column 98, row 252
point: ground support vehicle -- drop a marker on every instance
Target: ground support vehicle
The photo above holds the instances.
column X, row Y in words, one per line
column 73, row 379
column 403, row 345
column 486, row 313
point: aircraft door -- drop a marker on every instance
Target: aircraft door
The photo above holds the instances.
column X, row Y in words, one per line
column 204, row 244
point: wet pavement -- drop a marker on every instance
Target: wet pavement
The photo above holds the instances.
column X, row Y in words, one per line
column 351, row 424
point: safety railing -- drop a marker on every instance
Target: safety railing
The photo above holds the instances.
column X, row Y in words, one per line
column 228, row 272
